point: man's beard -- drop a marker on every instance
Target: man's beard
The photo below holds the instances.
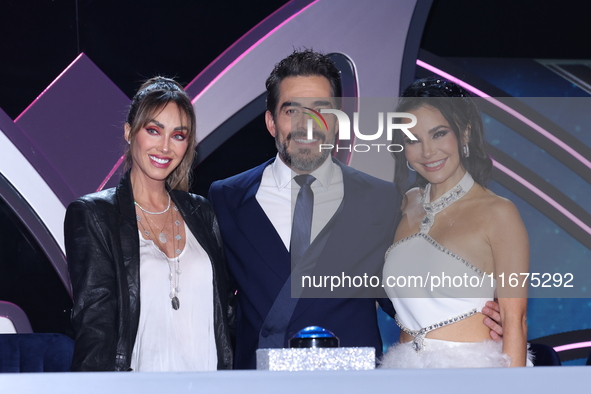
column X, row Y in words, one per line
column 304, row 159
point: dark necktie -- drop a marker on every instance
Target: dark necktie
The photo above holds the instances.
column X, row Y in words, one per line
column 302, row 218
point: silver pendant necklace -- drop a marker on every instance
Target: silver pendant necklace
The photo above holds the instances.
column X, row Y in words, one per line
column 174, row 265
column 175, row 287
column 162, row 235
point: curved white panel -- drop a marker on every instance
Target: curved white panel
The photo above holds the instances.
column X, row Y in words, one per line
column 19, row 172
column 6, row 326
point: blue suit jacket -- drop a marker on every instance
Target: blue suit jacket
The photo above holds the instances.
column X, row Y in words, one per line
column 257, row 258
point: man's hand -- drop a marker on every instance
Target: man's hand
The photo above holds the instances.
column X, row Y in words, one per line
column 493, row 320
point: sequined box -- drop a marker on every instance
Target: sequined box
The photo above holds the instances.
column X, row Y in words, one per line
column 316, row 359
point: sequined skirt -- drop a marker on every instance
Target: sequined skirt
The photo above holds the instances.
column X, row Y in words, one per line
column 447, row 354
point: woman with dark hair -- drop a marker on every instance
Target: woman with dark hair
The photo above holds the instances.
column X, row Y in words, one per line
column 457, row 236
column 151, row 288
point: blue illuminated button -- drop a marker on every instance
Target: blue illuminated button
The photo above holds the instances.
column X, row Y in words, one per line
column 314, row 336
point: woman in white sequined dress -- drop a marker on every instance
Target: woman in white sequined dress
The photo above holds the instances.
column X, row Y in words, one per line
column 457, row 236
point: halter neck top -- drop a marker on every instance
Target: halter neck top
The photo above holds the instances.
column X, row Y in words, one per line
column 429, row 285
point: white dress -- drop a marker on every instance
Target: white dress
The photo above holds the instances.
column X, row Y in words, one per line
column 434, row 287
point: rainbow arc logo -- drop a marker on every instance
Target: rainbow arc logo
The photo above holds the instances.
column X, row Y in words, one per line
column 318, row 118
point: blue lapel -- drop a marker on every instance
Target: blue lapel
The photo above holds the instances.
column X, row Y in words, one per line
column 254, row 223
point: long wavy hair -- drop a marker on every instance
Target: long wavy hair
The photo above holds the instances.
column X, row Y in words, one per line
column 459, row 109
column 151, row 98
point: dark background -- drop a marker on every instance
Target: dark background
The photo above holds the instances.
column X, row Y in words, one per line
column 132, row 40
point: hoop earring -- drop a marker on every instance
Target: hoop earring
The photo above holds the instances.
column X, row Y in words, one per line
column 466, row 150
column 409, row 167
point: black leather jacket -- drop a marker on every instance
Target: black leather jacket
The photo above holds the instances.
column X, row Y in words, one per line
column 102, row 245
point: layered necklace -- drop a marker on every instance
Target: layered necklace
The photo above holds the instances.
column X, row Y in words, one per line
column 174, row 266
column 154, row 213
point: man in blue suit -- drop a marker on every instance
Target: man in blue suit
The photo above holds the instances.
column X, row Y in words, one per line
column 355, row 216
column 354, row 220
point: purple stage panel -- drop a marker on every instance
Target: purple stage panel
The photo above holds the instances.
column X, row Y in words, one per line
column 76, row 124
